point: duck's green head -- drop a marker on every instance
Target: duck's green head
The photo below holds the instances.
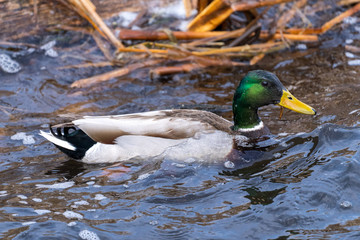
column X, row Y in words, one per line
column 259, row 88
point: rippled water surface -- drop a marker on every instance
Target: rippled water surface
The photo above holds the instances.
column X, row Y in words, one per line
column 302, row 183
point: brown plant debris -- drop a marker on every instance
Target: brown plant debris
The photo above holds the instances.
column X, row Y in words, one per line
column 224, row 33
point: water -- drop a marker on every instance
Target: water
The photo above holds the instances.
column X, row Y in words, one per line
column 302, row 183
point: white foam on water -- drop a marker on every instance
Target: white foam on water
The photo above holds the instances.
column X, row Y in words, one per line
column 350, row 20
column 27, row 223
column 90, row 183
column 176, row 9
column 26, row 139
column 22, row 197
column 3, row 193
column 88, row 235
column 179, row 165
column 72, row 215
column 81, row 202
column 48, row 45
column 42, row 211
column 346, row 204
column 354, row 62
column 48, row 48
column 51, row 53
column 350, row 55
column 9, row 65
column 127, row 17
column 99, row 197
column 56, row 185
column 143, row 176
column 301, row 46
column 37, row 199
column 229, row 164
column 70, row 224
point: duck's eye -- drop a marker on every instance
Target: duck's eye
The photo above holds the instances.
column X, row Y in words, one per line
column 265, row 83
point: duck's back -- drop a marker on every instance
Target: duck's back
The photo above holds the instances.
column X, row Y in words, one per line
column 171, row 124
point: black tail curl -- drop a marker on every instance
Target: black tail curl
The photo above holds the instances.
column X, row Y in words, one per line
column 75, row 137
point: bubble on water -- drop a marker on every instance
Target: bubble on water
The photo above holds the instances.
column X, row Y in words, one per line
column 346, row 204
column 229, row 164
column 277, row 155
column 23, row 202
column 37, row 199
column 88, row 235
column 9, row 65
column 349, row 41
column 72, row 215
column 90, row 183
column 56, row 185
column 99, row 197
column 26, row 139
column 42, row 211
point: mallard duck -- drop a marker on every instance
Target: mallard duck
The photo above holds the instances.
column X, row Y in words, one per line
column 178, row 134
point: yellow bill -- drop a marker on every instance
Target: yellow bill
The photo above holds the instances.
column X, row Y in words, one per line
column 290, row 102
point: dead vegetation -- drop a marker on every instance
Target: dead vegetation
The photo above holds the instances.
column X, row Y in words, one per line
column 223, row 33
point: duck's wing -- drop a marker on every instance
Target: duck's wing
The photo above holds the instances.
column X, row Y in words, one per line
column 172, row 124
